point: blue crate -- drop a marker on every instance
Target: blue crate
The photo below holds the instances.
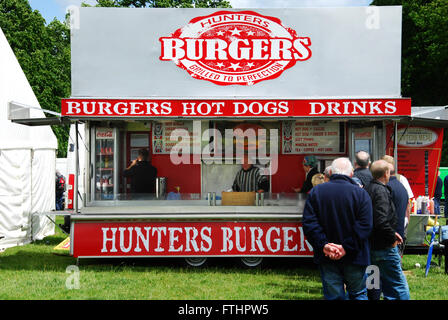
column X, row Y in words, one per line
column 444, row 232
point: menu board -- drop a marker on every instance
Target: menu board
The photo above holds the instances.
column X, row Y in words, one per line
column 412, row 144
column 180, row 135
column 302, row 137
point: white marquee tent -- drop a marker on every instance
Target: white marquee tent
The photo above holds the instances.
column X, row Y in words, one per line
column 27, row 160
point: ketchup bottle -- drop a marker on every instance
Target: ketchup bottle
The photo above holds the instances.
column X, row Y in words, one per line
column 431, row 206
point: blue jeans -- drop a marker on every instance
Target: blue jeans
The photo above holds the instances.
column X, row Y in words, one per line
column 334, row 275
column 393, row 282
column 59, row 202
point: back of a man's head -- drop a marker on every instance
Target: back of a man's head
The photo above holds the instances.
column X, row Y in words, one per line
column 388, row 159
column 327, row 172
column 144, row 154
column 342, row 166
column 379, row 169
column 362, row 159
column 391, row 161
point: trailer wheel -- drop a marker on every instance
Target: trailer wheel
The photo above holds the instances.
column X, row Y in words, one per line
column 252, row 262
column 196, row 261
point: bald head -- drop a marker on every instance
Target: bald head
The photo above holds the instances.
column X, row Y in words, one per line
column 362, row 159
column 342, row 166
column 381, row 171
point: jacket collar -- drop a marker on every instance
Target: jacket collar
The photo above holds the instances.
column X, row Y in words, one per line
column 379, row 183
column 341, row 177
column 312, row 171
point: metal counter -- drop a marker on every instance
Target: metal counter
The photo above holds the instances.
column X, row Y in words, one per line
column 210, row 213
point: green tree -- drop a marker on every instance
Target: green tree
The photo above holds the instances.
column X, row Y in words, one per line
column 424, row 54
column 43, row 52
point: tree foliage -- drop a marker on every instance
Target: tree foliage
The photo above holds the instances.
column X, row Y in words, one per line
column 425, row 54
column 43, row 52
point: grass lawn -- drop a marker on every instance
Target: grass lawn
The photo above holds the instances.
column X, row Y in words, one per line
column 36, row 271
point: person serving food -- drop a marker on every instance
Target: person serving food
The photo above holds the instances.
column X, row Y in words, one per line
column 310, row 168
column 249, row 178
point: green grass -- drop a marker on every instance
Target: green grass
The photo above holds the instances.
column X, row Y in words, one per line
column 36, row 271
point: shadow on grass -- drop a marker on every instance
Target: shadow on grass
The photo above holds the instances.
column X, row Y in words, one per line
column 24, row 259
column 41, row 256
column 302, row 291
column 285, row 266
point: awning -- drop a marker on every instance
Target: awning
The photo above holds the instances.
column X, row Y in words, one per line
column 20, row 113
column 436, row 116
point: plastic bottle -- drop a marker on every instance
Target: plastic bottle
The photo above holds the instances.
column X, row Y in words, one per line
column 425, row 202
column 431, row 206
column 419, row 205
column 414, row 206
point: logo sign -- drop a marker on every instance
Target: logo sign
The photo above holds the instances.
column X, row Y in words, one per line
column 104, row 133
column 416, row 137
column 235, row 48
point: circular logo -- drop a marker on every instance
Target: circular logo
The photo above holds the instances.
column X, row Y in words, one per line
column 235, row 48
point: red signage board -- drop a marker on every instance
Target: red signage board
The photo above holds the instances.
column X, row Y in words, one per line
column 144, row 108
column 157, row 239
column 413, row 142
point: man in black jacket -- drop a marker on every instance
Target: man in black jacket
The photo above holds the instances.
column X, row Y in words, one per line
column 143, row 176
column 385, row 238
column 362, row 172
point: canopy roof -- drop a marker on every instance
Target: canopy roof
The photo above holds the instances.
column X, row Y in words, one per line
column 14, row 87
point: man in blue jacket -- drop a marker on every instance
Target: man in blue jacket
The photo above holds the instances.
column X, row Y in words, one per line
column 337, row 221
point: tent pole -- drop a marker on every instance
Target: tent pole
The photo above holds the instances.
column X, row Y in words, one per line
column 396, row 147
column 75, row 191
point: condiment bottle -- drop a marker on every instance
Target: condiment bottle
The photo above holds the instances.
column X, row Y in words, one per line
column 431, row 206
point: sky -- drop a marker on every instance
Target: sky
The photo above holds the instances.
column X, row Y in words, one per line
column 51, row 9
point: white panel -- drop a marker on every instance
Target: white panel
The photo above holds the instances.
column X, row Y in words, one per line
column 356, row 52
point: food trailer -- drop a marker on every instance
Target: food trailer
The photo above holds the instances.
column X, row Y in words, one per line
column 197, row 87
